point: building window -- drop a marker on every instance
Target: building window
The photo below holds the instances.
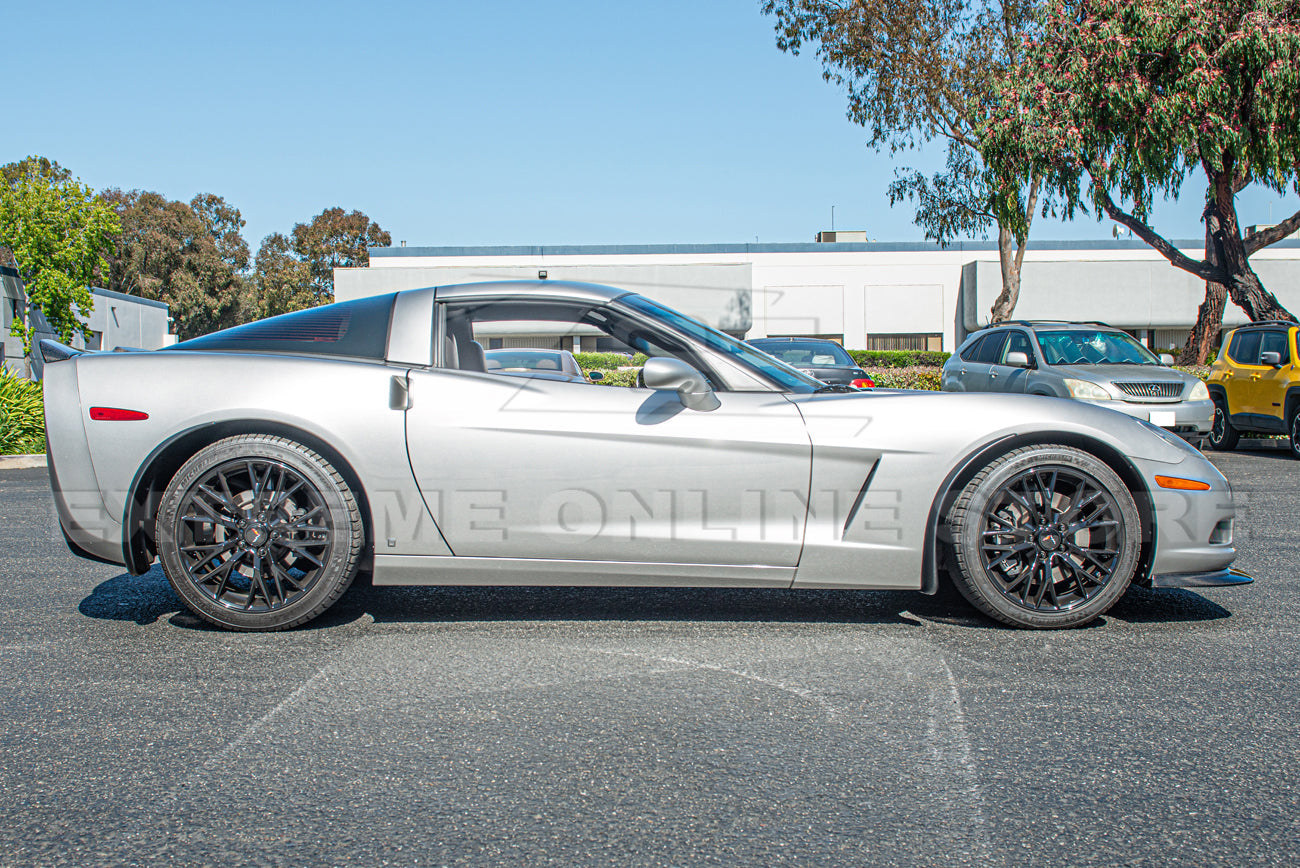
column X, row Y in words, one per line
column 930, row 342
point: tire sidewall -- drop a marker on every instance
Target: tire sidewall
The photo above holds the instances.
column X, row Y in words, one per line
column 344, row 523
column 1228, row 437
column 1295, row 434
column 985, row 592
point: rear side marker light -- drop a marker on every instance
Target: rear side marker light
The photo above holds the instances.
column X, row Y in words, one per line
column 116, row 414
column 1182, row 484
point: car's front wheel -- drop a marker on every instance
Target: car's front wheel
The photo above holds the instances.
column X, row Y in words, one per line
column 1045, row 537
column 1223, row 437
column 257, row 532
column 1295, row 433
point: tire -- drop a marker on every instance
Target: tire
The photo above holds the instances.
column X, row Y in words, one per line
column 1222, row 437
column 257, row 532
column 1295, row 434
column 1044, row 537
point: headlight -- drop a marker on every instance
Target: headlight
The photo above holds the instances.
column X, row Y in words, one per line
column 1085, row 391
column 1170, row 437
column 1199, row 392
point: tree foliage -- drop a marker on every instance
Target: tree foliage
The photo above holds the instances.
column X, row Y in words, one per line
column 336, row 239
column 297, row 272
column 918, row 70
column 58, row 232
column 171, row 252
column 1117, row 101
column 283, row 280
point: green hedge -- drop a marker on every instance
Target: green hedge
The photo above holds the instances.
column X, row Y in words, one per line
column 605, row 361
column 915, row 377
column 617, row 378
column 22, row 416
column 899, row 358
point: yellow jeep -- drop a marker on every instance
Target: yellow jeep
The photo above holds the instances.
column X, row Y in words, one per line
column 1255, row 384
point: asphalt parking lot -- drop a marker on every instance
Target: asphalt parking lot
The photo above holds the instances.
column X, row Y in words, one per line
column 648, row 727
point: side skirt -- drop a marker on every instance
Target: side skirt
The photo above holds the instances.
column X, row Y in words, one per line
column 435, row 570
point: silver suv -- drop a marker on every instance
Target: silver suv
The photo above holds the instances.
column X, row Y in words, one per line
column 1086, row 361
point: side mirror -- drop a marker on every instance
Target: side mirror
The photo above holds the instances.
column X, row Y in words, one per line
column 694, row 391
column 1271, row 358
column 1166, row 359
column 595, row 375
column 1017, row 359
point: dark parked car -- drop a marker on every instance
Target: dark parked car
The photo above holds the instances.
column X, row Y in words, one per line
column 825, row 360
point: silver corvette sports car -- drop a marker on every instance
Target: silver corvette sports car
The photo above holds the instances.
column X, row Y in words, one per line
column 268, row 464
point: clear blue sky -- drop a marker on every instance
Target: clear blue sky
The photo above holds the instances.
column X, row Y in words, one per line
column 471, row 123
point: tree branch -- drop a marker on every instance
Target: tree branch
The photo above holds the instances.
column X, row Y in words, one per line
column 1201, row 269
column 1270, row 236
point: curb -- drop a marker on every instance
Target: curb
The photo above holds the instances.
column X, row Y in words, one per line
column 21, row 462
column 1247, row 444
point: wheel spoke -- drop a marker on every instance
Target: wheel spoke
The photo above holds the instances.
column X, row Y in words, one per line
column 1016, row 550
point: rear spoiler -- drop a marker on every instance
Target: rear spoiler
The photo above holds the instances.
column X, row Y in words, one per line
column 53, row 351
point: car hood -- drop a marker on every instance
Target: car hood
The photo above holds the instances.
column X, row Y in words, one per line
column 955, row 422
column 1122, row 373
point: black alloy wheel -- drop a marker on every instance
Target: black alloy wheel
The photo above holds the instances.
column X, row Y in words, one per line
column 259, row 533
column 1045, row 537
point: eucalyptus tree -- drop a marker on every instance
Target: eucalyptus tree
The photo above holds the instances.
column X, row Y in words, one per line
column 1115, row 102
column 917, row 71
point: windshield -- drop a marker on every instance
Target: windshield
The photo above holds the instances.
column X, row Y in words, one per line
column 529, row 360
column 1093, row 347
column 814, row 354
column 771, row 369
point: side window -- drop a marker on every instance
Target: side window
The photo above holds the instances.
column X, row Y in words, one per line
column 530, row 337
column 1274, row 342
column 990, row 351
column 1017, row 342
column 971, row 352
column 1245, row 348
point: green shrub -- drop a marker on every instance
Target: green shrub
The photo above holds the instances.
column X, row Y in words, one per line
column 899, row 358
column 914, row 377
column 605, row 361
column 617, row 378
column 22, row 416
column 1201, row 371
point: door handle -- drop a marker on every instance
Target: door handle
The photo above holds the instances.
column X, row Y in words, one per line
column 399, row 394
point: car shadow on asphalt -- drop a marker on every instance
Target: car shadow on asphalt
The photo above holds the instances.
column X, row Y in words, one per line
column 148, row 598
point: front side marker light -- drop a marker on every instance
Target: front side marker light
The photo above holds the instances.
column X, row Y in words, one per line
column 1180, row 484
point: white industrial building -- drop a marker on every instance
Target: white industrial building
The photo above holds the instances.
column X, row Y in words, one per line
column 115, row 320
column 868, row 295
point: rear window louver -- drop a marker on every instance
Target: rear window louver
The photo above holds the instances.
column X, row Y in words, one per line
column 357, row 329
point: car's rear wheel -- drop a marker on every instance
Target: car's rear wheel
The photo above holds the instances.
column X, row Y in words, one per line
column 1045, row 537
column 1223, row 437
column 257, row 532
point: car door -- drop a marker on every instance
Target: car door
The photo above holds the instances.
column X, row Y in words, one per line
column 1269, row 384
column 1010, row 378
column 1242, row 382
column 530, row 468
column 970, row 372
